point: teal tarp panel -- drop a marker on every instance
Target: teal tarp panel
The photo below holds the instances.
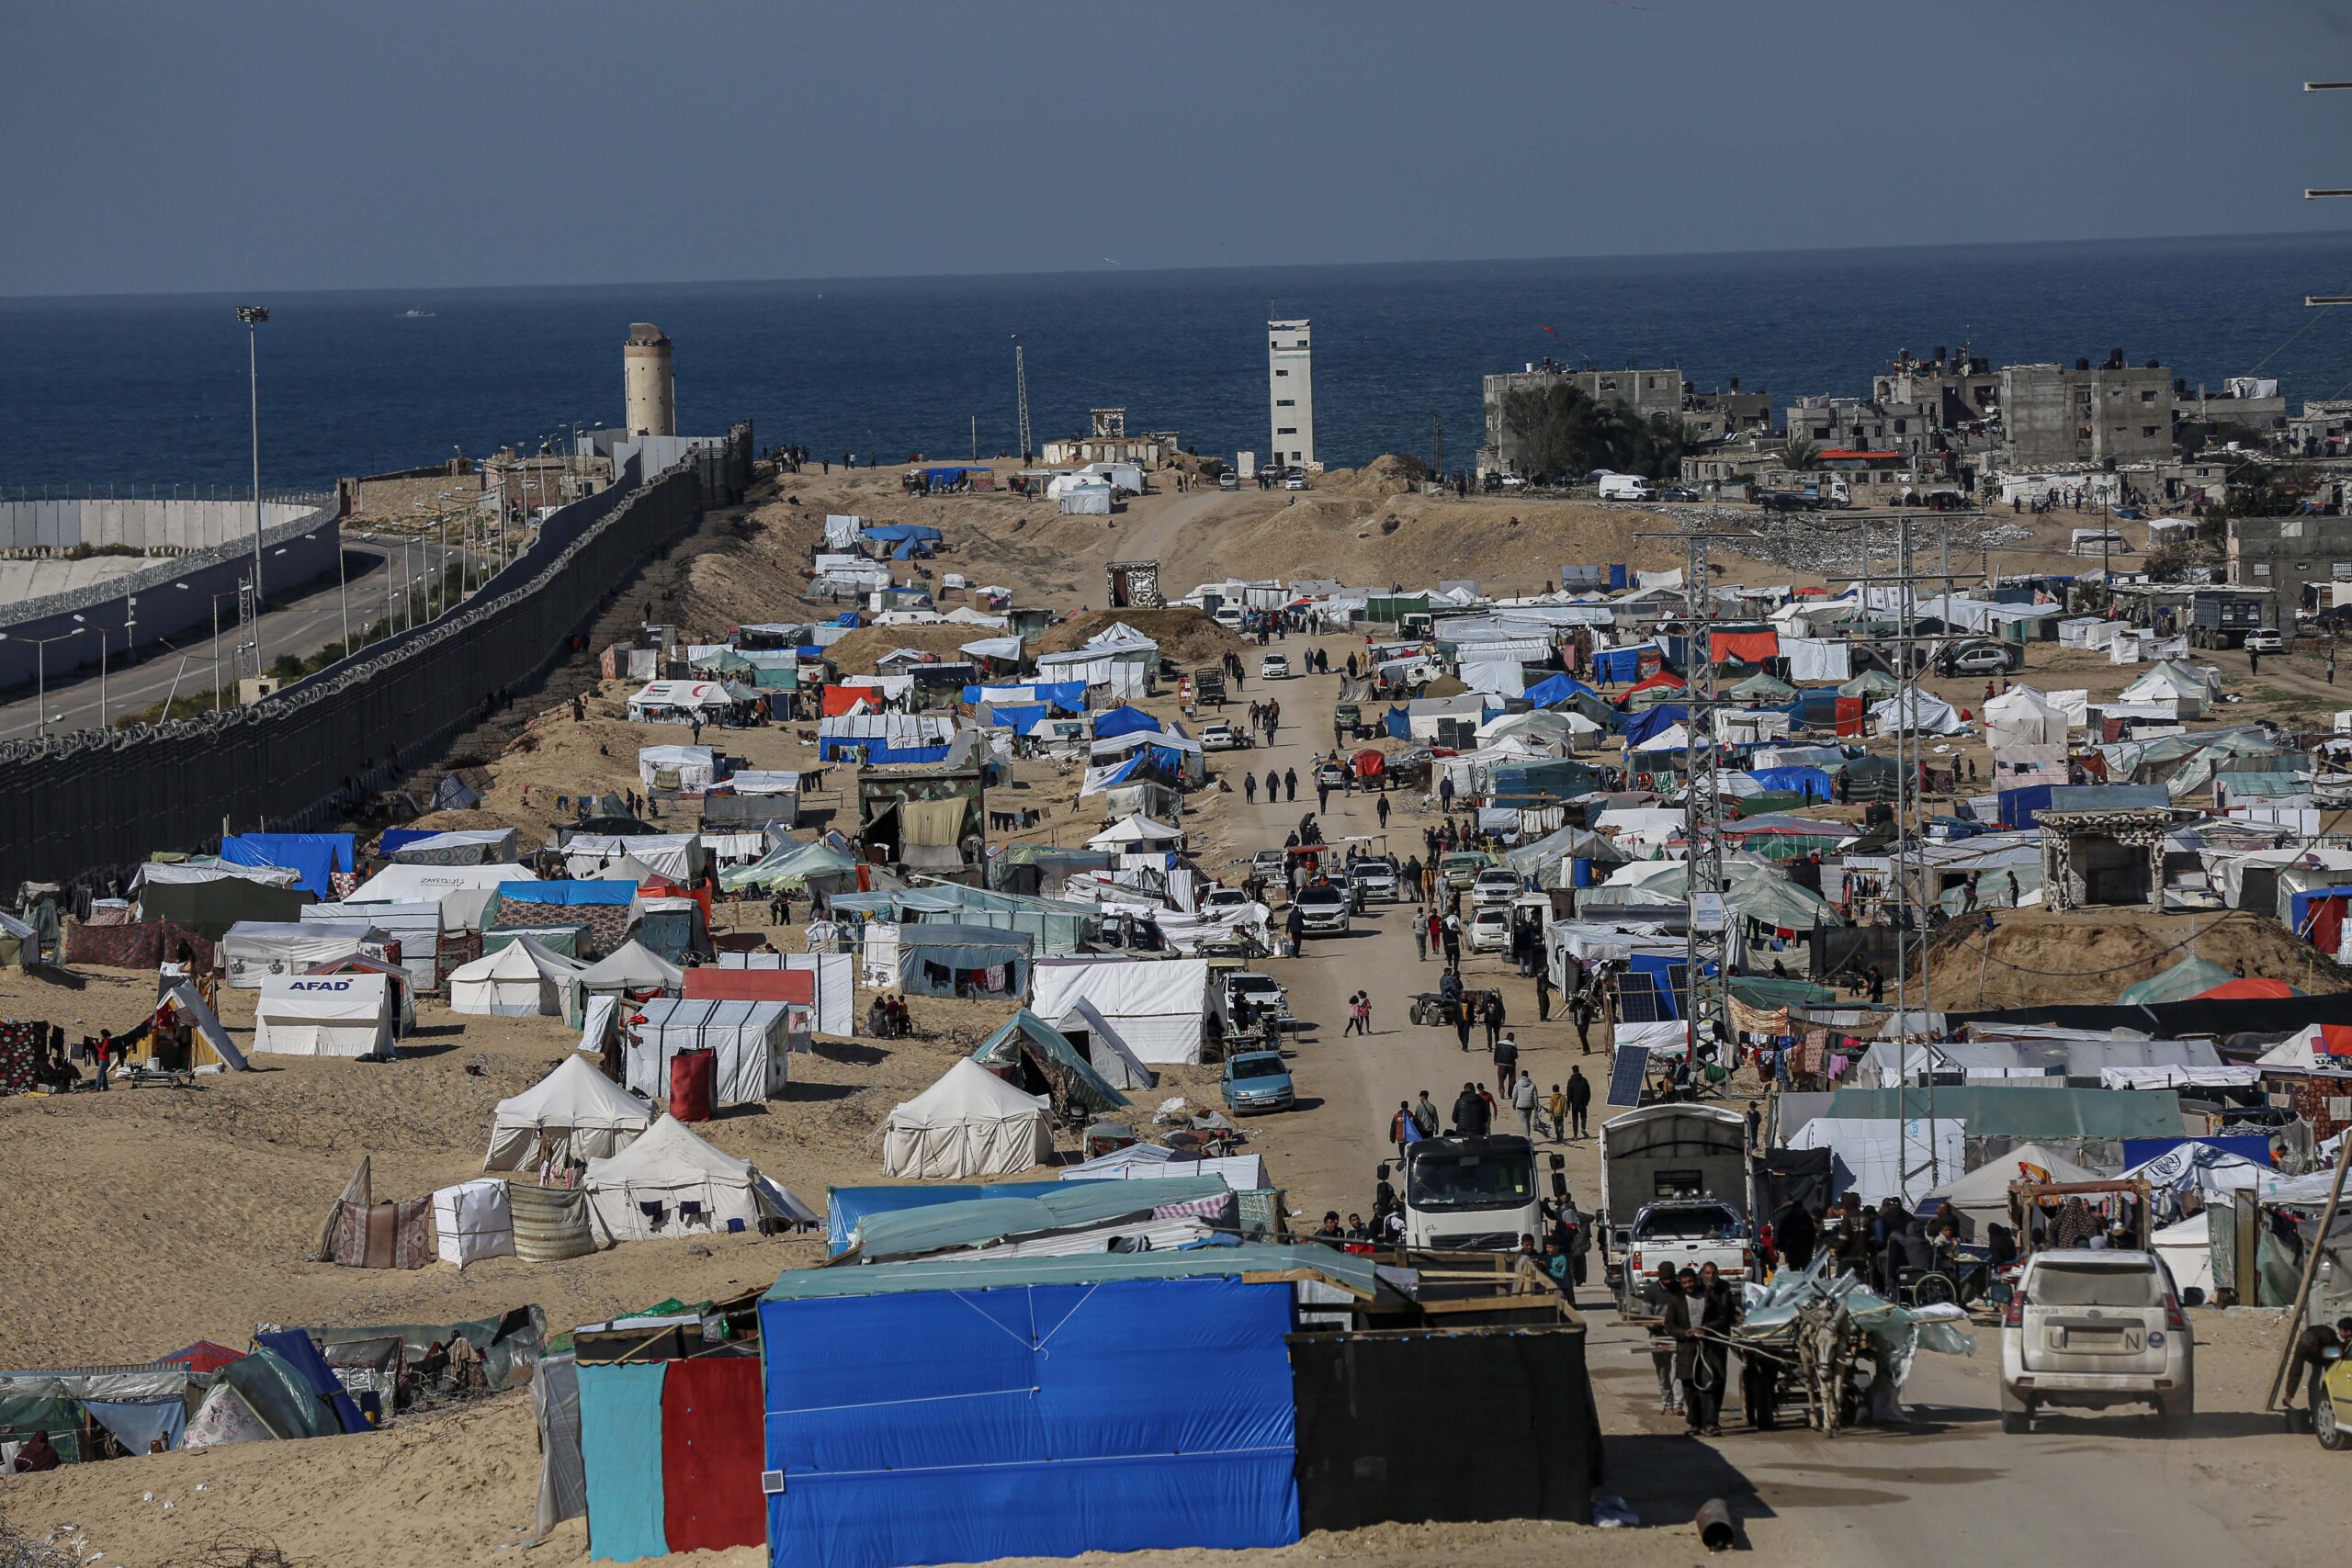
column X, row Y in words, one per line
column 620, row 1451
column 281, row 1396
column 21, row 1416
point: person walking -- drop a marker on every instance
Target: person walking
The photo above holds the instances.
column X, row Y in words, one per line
column 1461, row 1021
column 1420, row 942
column 1506, row 1064
column 1290, row 775
column 1273, row 786
column 1322, row 793
column 1411, row 877
column 1580, row 1101
column 1469, row 1113
column 1402, row 1130
column 1523, row 1099
column 1543, row 993
column 1249, row 788
column 1452, row 929
column 1558, row 1105
column 1666, row 1288
column 1699, row 1319
column 1491, row 1014
column 1380, row 807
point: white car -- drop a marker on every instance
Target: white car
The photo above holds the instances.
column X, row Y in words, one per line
column 1293, row 480
column 2091, row 1328
column 1220, row 899
column 1491, row 930
column 1274, row 667
column 1221, row 738
column 2266, row 640
column 1494, row 886
column 1322, row 909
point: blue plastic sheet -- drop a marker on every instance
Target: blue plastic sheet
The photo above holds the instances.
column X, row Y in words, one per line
column 1654, row 721
column 620, row 1456
column 1554, row 690
column 298, row 1350
column 1021, row 1430
column 1812, row 782
column 845, row 1206
column 315, row 856
column 1124, row 721
column 137, row 1425
column 569, row 893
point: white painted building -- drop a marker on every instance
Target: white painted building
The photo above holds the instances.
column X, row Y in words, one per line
column 1289, row 364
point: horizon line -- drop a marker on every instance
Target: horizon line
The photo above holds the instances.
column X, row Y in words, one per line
column 1114, row 270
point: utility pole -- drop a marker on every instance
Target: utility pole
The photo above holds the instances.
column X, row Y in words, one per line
column 2311, row 193
column 975, row 438
column 1020, row 394
column 1437, row 439
column 252, row 316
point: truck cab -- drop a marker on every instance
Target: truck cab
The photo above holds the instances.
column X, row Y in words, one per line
column 1474, row 1193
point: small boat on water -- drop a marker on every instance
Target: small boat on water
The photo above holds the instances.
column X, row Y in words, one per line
column 415, row 315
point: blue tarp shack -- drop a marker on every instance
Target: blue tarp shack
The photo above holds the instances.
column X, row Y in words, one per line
column 316, row 856
column 847, row 1207
column 905, row 533
column 1020, row 718
column 1619, row 665
column 1811, row 783
column 1554, row 690
column 1121, row 721
column 1019, row 1430
column 2022, row 807
column 940, row 959
column 1654, row 721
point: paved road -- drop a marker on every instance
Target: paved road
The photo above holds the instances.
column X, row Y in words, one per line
column 303, row 627
column 1953, row 1487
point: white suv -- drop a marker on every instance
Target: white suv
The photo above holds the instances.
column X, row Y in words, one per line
column 2090, row 1328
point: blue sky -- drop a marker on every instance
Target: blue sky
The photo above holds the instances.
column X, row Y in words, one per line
column 225, row 146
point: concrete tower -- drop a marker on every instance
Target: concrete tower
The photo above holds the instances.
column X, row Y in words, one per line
column 1290, row 365
column 647, row 389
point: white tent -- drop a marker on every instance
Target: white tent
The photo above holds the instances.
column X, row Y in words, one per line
column 574, row 1112
column 1134, row 829
column 676, row 769
column 2021, row 717
column 463, row 891
column 971, row 1123
column 1147, row 1162
column 1107, row 1052
column 324, row 1015
column 632, row 966
column 471, row 846
column 752, row 1040
column 2188, row 1250
column 1155, row 1004
column 473, row 1221
column 522, row 979
column 677, row 856
column 1868, row 1155
column 1983, row 1195
column 1915, row 710
column 674, row 701
column 671, row 1183
column 413, row 923
column 255, row 950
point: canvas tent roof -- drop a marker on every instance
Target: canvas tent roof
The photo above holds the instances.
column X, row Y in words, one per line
column 324, row 1015
column 969, row 1123
column 185, row 1000
column 980, row 1223
column 1871, row 683
column 574, row 1112
column 1135, row 828
column 632, row 966
column 1983, row 1194
column 1068, row 1076
column 668, row 1165
column 1105, row 1046
column 519, row 980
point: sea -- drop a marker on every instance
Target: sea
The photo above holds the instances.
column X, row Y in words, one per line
column 149, row 393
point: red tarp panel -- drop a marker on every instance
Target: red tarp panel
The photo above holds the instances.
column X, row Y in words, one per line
column 2323, row 924
column 1750, row 648
column 1371, row 764
column 203, row 1356
column 2247, row 991
column 840, row 697
column 1663, row 678
column 713, row 1431
column 662, row 887
column 1850, row 715
column 708, row 983
column 693, row 1075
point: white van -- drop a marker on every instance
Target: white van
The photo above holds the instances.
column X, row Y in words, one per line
column 1626, row 487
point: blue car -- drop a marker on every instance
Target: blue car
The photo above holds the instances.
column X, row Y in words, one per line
column 1257, row 1080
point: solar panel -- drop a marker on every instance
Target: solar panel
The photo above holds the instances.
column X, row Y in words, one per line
column 1627, row 1067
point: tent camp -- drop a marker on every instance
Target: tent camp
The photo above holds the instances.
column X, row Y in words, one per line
column 414, row 924
column 752, row 1039
column 209, row 900
column 1104, row 1046
column 255, row 951
column 940, row 958
column 2022, row 716
column 671, row 1183
column 574, row 1112
column 1155, row 1005
column 630, row 969
column 324, row 1015
column 971, row 1123
column 184, row 1035
column 676, row 769
column 1136, row 832
column 463, row 891
column 522, row 979
column 459, row 846
column 2192, row 976
column 1919, row 711
column 1038, row 1058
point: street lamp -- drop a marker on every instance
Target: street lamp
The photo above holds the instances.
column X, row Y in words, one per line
column 92, row 626
column 41, row 673
column 252, row 316
column 215, row 598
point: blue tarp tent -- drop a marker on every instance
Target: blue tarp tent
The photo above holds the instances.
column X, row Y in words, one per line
column 1554, row 690
column 1124, row 721
column 2019, row 808
column 297, row 1351
column 575, row 894
column 315, row 855
column 1018, row 1430
column 903, row 533
column 1654, row 721
column 1812, row 782
column 1619, row 665
column 1398, row 724
column 1020, row 719
column 845, row 1206
column 2299, row 910
column 1067, row 697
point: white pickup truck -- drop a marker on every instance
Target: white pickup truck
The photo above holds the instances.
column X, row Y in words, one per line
column 1688, row 1233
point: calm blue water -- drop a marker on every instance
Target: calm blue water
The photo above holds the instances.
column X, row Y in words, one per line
column 151, row 391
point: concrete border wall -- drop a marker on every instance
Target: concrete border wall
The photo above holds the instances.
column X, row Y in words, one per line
column 96, row 803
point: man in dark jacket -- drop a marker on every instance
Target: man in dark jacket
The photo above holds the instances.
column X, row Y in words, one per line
column 1469, row 1113
column 1580, row 1101
column 1491, row 1014
column 1698, row 1318
column 1290, row 784
column 1795, row 1234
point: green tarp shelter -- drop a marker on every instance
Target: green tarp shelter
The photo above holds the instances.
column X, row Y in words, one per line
column 2192, row 976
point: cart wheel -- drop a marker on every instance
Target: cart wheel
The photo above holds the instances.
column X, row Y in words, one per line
column 1934, row 1289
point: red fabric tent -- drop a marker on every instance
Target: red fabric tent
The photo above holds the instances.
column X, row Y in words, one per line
column 842, row 697
column 203, row 1356
column 2249, row 991
column 1749, row 647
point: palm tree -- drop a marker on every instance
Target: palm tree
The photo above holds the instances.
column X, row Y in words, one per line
column 1803, row 454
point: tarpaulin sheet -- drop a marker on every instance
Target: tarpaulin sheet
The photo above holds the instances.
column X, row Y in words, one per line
column 136, row 1425
column 1748, row 648
column 1019, row 1431
column 846, row 1206
column 280, row 1396
column 1552, row 690
column 620, row 1412
column 1372, row 1409
column 2255, row 1147
column 317, row 856
column 711, row 1454
column 1124, row 721
column 555, row 1403
column 1653, row 723
column 297, row 1352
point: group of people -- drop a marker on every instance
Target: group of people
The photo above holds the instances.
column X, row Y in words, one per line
column 886, row 1018
column 1691, row 1343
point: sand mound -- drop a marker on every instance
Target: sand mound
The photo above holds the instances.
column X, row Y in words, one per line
column 1186, row 636
column 2086, row 957
column 1391, row 473
column 855, row 653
